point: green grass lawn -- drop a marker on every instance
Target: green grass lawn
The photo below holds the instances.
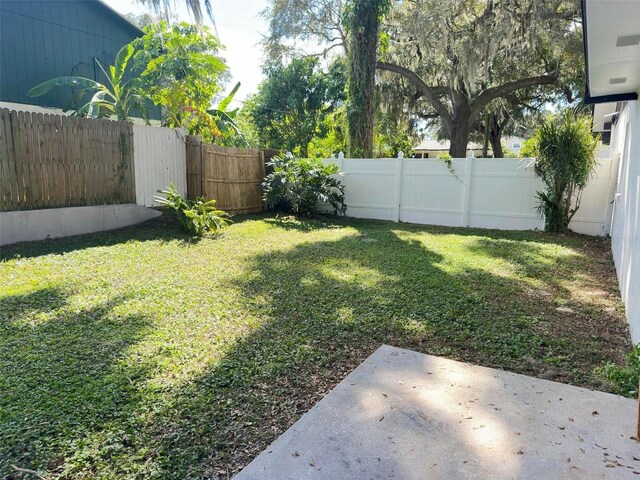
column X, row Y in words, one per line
column 143, row 353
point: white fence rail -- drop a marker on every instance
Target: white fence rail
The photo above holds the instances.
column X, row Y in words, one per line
column 159, row 159
column 473, row 192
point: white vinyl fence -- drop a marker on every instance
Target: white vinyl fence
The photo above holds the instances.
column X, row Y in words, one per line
column 475, row 192
column 159, row 159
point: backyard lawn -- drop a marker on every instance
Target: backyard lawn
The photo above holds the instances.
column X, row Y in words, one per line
column 143, row 353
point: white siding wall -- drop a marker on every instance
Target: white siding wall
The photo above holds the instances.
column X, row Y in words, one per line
column 625, row 230
column 159, row 159
column 481, row 192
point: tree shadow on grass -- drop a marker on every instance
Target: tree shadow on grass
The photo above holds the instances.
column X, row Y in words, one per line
column 62, row 380
column 313, row 312
column 293, row 222
column 324, row 307
column 165, row 228
column 43, row 300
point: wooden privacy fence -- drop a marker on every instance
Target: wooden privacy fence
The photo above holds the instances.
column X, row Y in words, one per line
column 49, row 161
column 231, row 176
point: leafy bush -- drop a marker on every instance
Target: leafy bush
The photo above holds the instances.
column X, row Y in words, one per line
column 528, row 149
column 625, row 378
column 565, row 150
column 196, row 216
column 298, row 185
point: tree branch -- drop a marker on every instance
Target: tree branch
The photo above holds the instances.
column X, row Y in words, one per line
column 429, row 92
column 505, row 89
column 428, row 116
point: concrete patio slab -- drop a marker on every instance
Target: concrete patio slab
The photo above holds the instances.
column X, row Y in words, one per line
column 406, row 415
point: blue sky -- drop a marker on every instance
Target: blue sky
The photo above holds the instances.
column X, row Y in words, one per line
column 240, row 28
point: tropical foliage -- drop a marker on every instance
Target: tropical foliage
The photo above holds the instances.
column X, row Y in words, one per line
column 197, row 216
column 225, row 119
column 294, row 102
column 565, row 150
column 183, row 72
column 181, row 69
column 119, row 96
column 299, row 185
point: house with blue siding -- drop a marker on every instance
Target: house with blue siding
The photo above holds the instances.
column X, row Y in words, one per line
column 44, row 39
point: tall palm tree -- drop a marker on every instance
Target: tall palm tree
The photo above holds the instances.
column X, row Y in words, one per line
column 194, row 7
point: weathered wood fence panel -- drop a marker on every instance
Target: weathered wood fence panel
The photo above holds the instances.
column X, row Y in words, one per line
column 160, row 159
column 194, row 166
column 49, row 161
column 231, row 176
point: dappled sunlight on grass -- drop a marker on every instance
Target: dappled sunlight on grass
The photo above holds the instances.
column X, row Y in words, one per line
column 147, row 353
column 354, row 273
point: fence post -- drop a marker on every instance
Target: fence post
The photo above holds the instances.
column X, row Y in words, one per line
column 398, row 189
column 340, row 161
column 203, row 174
column 194, row 166
column 263, row 174
column 466, row 198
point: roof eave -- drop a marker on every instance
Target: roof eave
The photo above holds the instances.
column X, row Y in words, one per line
column 588, row 99
column 616, row 97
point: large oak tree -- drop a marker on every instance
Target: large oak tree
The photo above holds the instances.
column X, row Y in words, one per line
column 447, row 52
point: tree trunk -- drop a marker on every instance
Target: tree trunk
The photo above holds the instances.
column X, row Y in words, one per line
column 485, row 141
column 459, row 139
column 460, row 125
column 495, row 137
column 362, row 68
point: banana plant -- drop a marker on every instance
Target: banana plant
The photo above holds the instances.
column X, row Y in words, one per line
column 118, row 97
column 225, row 119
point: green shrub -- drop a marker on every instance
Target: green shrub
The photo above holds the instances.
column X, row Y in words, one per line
column 298, row 185
column 528, row 149
column 196, row 216
column 625, row 378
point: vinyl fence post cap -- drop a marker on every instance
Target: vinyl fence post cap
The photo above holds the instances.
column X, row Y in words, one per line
column 341, row 154
column 400, row 154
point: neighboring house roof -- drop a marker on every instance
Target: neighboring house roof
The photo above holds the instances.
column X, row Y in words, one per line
column 611, row 30
column 439, row 145
column 44, row 39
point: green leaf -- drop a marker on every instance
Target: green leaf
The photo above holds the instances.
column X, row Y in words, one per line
column 224, row 103
column 44, row 87
column 94, row 105
column 122, row 58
